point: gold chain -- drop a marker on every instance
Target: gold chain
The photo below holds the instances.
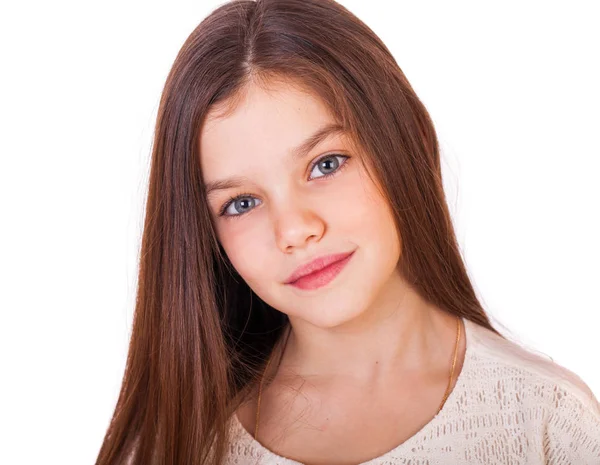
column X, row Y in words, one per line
column 446, row 394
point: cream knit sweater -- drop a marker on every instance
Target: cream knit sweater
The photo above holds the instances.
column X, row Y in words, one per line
column 508, row 406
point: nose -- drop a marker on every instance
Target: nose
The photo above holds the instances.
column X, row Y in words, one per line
column 296, row 225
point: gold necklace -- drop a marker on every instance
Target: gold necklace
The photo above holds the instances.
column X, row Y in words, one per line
column 446, row 394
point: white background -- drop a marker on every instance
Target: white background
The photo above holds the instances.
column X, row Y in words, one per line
column 513, row 91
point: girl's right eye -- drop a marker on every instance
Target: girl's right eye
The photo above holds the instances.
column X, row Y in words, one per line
column 246, row 196
column 232, row 201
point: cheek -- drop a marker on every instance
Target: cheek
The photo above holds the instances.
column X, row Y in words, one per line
column 250, row 258
column 246, row 250
column 362, row 212
column 368, row 221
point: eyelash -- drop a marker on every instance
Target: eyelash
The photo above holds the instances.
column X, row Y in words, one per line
column 233, row 199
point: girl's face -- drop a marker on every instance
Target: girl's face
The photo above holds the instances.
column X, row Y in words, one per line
column 294, row 206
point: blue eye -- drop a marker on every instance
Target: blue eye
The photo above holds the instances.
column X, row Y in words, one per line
column 246, row 198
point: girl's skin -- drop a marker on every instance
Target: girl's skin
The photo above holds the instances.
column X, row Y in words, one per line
column 368, row 360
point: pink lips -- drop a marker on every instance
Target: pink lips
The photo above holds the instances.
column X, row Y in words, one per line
column 319, row 272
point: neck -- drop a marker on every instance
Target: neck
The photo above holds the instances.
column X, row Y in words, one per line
column 400, row 334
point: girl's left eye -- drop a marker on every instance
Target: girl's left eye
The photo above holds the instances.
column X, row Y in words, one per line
column 335, row 169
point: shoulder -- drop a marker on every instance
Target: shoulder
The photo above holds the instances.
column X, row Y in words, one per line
column 567, row 412
column 508, row 360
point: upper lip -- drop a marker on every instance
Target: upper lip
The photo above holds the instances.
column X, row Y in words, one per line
column 315, row 265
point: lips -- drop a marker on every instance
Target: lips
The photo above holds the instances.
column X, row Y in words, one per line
column 316, row 265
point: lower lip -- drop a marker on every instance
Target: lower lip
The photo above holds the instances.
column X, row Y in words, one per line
column 322, row 277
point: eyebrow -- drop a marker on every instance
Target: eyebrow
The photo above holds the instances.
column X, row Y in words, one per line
column 296, row 154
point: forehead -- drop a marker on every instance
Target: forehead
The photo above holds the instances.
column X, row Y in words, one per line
column 263, row 121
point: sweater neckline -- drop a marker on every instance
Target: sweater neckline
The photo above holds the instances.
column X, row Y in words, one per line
column 459, row 387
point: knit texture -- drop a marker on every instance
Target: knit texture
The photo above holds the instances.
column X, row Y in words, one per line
column 509, row 406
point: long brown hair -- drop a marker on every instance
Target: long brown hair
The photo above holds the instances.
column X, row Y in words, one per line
column 200, row 335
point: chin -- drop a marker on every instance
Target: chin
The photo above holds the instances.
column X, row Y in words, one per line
column 328, row 315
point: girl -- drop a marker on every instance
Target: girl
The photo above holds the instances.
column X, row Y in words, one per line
column 302, row 298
